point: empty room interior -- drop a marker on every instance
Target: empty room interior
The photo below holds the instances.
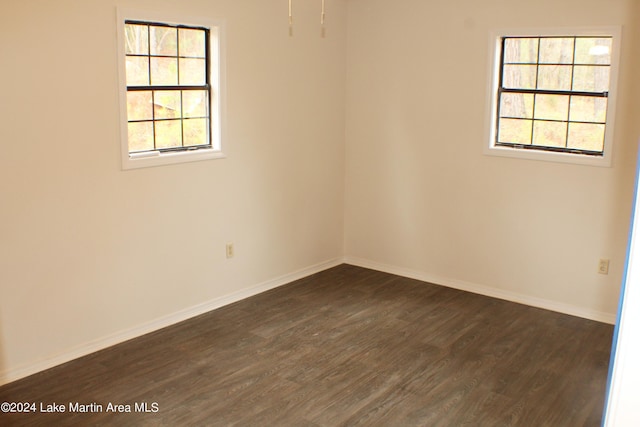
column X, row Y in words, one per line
column 353, row 194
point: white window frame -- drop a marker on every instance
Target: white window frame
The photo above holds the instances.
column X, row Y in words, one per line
column 495, row 46
column 217, row 98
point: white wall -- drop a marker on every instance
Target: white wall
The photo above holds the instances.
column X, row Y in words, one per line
column 90, row 254
column 621, row 409
column 622, row 406
column 422, row 199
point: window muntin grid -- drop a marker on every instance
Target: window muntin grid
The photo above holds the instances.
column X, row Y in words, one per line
column 553, row 93
column 168, row 87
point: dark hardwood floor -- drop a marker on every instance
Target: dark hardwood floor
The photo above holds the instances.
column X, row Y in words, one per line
column 348, row 346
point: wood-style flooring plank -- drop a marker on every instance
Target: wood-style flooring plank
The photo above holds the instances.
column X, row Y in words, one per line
column 345, row 347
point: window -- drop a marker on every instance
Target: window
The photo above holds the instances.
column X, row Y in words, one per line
column 170, row 91
column 553, row 96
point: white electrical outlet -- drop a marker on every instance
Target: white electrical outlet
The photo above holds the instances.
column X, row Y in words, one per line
column 229, row 250
column 603, row 266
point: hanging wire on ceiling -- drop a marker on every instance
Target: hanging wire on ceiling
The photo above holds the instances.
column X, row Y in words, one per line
column 322, row 19
column 290, row 20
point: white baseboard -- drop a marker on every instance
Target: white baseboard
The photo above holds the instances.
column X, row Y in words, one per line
column 556, row 306
column 171, row 319
column 162, row 322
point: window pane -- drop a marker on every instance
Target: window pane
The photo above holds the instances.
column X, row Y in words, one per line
column 586, row 136
column 192, row 42
column 194, row 103
column 164, row 71
column 521, row 51
column 192, row 71
column 593, row 51
column 166, row 104
column 195, row 132
column 139, row 106
column 588, row 109
column 591, row 78
column 554, row 77
column 168, row 133
column 516, row 105
column 164, row 41
column 519, row 76
column 555, row 50
column 545, row 95
column 136, row 39
column 137, row 71
column 140, row 136
column 552, row 107
column 515, row 131
column 549, row 134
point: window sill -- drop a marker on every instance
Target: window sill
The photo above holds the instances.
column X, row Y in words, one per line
column 157, row 158
column 549, row 156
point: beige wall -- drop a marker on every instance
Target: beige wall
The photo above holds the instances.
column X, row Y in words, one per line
column 622, row 408
column 423, row 200
column 89, row 252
